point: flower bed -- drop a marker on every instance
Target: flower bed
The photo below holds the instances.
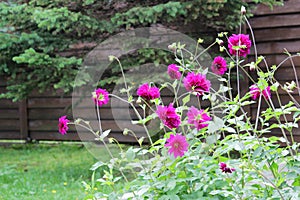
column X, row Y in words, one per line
column 204, row 153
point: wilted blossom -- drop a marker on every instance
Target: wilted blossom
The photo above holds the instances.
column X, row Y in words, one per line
column 63, row 125
column 196, row 83
column 147, row 92
column 100, row 97
column 226, row 169
column 240, row 43
column 219, row 65
column 255, row 92
column 168, row 116
column 198, row 118
column 173, row 71
column 177, row 145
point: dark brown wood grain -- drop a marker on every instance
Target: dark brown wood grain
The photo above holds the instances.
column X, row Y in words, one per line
column 290, row 6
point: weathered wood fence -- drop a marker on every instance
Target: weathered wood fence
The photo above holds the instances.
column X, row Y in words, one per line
column 275, row 32
column 36, row 117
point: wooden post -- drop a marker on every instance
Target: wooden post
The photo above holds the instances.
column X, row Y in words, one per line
column 24, row 120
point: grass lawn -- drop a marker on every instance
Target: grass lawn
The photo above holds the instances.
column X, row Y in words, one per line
column 43, row 171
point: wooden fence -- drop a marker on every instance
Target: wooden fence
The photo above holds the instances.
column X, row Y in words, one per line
column 36, row 117
column 275, row 32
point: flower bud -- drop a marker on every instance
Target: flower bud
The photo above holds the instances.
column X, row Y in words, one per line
column 252, row 66
column 172, row 47
column 290, row 86
column 243, row 10
column 111, row 58
column 200, row 40
column 222, row 48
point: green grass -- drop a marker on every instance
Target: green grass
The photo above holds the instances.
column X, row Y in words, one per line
column 40, row 171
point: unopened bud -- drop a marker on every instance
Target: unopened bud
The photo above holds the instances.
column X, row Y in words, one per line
column 139, row 101
column 172, row 47
column 290, row 86
column 111, row 58
column 252, row 66
column 200, row 40
column 220, row 42
column 110, row 140
column 222, row 48
column 243, row 10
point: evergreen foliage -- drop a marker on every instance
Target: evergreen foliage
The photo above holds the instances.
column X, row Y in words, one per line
column 34, row 34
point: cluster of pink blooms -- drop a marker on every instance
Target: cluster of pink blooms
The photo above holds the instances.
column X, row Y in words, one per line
column 177, row 145
column 99, row 96
column 168, row 116
column 147, row 92
column 225, row 169
column 255, row 92
column 239, row 44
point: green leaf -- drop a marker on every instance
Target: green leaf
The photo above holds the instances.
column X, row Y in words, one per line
column 215, row 125
column 296, row 181
column 212, row 139
column 130, row 154
column 104, row 134
column 97, row 165
column 186, row 99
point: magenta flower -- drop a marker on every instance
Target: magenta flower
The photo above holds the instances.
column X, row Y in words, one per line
column 219, row 65
column 173, row 71
column 100, row 97
column 147, row 92
column 255, row 92
column 196, row 83
column 177, row 145
column 168, row 116
column 226, row 169
column 63, row 125
column 239, row 43
column 198, row 118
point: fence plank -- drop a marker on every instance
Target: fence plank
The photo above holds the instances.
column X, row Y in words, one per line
column 274, row 48
column 288, row 33
column 290, row 6
column 9, row 134
column 10, row 125
column 275, row 21
column 23, row 119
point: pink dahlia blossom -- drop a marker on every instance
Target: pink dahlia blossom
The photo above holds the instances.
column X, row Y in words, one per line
column 100, row 97
column 177, row 145
column 63, row 125
column 255, row 92
column 173, row 71
column 196, row 83
column 168, row 116
column 219, row 65
column 147, row 92
column 226, row 169
column 240, row 43
column 198, row 118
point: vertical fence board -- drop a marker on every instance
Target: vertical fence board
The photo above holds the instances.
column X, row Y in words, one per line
column 24, row 120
